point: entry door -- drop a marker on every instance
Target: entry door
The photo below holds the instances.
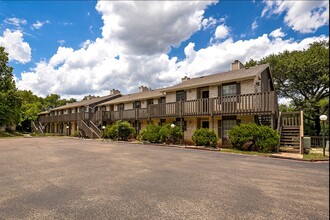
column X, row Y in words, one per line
column 205, row 101
column 227, row 125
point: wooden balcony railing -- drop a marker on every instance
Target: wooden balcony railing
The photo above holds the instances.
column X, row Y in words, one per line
column 256, row 103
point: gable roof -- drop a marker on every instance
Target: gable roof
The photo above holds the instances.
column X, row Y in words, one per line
column 135, row 97
column 215, row 79
column 92, row 101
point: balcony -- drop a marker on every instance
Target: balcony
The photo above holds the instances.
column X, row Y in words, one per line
column 256, row 103
column 71, row 117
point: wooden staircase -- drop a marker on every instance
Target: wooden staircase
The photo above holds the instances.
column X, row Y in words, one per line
column 88, row 127
column 291, row 131
column 37, row 127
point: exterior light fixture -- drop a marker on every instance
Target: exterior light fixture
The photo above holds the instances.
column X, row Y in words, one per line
column 172, row 125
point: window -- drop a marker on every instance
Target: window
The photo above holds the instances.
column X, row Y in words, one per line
column 233, row 89
column 227, row 125
column 205, row 124
column 121, row 107
column 137, row 104
column 180, row 95
column 150, row 102
column 230, row 89
column 162, row 100
column 178, row 123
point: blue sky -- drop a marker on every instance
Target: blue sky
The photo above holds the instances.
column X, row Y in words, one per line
column 76, row 48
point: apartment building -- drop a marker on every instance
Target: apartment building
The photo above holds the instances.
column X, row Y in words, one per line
column 218, row 101
column 69, row 118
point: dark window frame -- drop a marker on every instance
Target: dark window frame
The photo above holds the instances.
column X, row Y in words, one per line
column 181, row 95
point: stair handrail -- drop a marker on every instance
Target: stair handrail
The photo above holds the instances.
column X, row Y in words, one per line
column 87, row 130
column 95, row 129
column 41, row 127
column 35, row 127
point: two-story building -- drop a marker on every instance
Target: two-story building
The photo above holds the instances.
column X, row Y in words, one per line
column 69, row 118
column 218, row 101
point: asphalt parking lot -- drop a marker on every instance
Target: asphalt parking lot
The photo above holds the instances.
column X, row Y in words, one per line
column 62, row 178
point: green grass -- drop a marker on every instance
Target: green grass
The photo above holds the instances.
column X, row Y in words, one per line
column 314, row 156
column 235, row 151
column 4, row 134
column 44, row 134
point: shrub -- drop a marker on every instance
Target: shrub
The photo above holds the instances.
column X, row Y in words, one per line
column 121, row 130
column 75, row 134
column 205, row 137
column 150, row 133
column 171, row 135
column 254, row 137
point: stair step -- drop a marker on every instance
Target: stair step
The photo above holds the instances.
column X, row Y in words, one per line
column 289, row 132
column 290, row 138
column 289, row 142
column 290, row 150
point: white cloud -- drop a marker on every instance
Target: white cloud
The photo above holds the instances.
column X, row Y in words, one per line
column 124, row 60
column 221, row 32
column 39, row 24
column 277, row 33
column 209, row 22
column 147, row 28
column 15, row 21
column 16, row 47
column 301, row 16
column 254, row 25
column 61, row 42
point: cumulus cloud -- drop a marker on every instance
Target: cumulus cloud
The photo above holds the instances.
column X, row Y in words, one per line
column 277, row 33
column 124, row 60
column 15, row 46
column 39, row 24
column 301, row 16
column 147, row 28
column 96, row 68
column 221, row 32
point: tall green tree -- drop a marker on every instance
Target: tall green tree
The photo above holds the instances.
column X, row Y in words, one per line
column 303, row 77
column 10, row 101
column 54, row 100
column 31, row 105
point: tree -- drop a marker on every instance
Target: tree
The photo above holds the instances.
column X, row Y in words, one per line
column 54, row 100
column 10, row 102
column 302, row 76
column 31, row 105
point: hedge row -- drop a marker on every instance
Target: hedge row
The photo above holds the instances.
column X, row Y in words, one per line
column 249, row 137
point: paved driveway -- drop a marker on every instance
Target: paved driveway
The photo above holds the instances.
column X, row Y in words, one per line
column 60, row 178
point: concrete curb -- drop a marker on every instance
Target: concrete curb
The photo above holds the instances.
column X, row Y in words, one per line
column 298, row 159
column 193, row 148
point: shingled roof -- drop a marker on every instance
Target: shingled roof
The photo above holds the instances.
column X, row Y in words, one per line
column 215, row 79
column 150, row 94
column 92, row 101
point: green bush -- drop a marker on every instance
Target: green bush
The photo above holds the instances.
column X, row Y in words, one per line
column 254, row 137
column 150, row 133
column 75, row 134
column 205, row 137
column 121, row 130
column 171, row 135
